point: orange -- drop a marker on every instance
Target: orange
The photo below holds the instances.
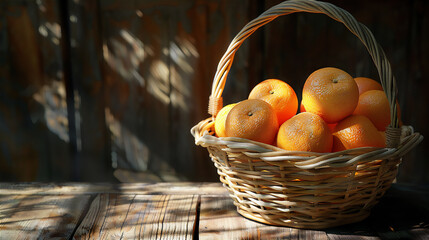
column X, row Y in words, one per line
column 365, row 84
column 252, row 119
column 383, row 135
column 305, row 132
column 330, row 125
column 374, row 105
column 279, row 95
column 220, row 120
column 301, row 108
column 330, row 93
column 356, row 131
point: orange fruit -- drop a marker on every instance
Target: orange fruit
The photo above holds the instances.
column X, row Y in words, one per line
column 221, row 119
column 332, row 126
column 301, row 108
column 365, row 84
column 356, row 131
column 330, row 93
column 279, row 95
column 374, row 105
column 383, row 135
column 252, row 119
column 305, row 132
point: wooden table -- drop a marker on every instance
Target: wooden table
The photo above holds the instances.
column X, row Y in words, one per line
column 180, row 211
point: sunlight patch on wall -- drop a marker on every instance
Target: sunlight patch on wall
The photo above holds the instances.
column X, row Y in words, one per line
column 53, row 99
column 124, row 54
column 127, row 148
column 158, row 83
column 184, row 56
column 51, row 31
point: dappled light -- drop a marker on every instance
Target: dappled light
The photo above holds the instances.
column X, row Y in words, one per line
column 127, row 147
column 51, row 31
column 124, row 55
column 178, row 211
column 39, row 215
column 92, row 86
column 184, row 56
column 53, row 99
column 158, row 81
column 98, row 98
column 149, row 87
column 183, row 53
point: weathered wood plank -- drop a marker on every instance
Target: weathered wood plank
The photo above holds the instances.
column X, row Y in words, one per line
column 169, row 210
column 88, row 79
column 33, row 112
column 40, row 216
column 113, row 216
column 352, row 232
column 52, row 92
column 200, row 33
column 155, row 57
column 22, row 69
column 220, row 220
column 176, row 188
column 137, row 85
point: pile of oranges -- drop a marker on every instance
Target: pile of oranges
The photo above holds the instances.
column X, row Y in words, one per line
column 337, row 112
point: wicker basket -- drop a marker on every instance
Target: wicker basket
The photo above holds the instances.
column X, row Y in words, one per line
column 305, row 189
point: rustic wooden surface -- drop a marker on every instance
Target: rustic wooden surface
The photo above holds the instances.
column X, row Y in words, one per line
column 134, row 76
column 180, row 211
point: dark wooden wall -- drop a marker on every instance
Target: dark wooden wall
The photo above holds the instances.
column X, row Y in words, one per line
column 88, row 87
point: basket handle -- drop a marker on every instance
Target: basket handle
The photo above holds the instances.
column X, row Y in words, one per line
column 311, row 6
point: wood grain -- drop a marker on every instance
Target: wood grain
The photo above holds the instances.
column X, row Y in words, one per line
column 86, row 58
column 220, row 220
column 176, row 188
column 180, row 211
column 40, row 216
column 24, row 67
column 113, row 216
column 33, row 110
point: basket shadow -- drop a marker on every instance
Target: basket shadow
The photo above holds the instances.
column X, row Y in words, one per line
column 403, row 213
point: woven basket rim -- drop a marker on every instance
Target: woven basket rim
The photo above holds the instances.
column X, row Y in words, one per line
column 304, row 160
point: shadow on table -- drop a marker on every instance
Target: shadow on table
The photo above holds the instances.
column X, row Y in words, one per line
column 403, row 213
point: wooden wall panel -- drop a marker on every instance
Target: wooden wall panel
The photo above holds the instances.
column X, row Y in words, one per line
column 33, row 110
column 141, row 73
column 87, row 76
column 199, row 37
column 135, row 52
column 52, row 94
column 159, row 64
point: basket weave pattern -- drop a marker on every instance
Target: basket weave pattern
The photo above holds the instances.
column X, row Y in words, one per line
column 305, row 189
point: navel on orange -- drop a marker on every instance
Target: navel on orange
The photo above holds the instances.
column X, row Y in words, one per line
column 330, row 93
column 279, row 95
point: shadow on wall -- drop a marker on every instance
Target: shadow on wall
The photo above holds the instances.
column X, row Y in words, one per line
column 147, row 91
column 33, row 114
